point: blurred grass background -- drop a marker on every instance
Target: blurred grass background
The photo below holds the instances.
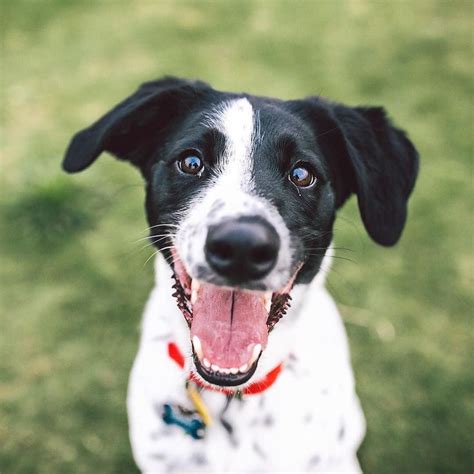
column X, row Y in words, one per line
column 73, row 279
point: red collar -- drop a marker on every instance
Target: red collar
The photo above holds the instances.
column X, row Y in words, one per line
column 257, row 387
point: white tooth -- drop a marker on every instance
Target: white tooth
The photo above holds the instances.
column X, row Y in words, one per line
column 195, row 284
column 206, row 363
column 225, row 371
column 215, row 367
column 197, row 347
column 267, row 300
column 243, row 368
column 255, row 353
column 234, row 370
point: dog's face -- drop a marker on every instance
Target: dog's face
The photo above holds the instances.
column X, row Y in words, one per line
column 242, row 193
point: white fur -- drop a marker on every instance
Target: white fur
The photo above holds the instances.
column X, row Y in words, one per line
column 235, row 120
column 294, row 426
column 231, row 193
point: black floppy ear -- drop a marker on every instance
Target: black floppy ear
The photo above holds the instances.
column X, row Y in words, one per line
column 371, row 158
column 132, row 129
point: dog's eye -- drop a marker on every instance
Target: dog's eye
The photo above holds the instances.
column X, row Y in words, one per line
column 302, row 176
column 190, row 164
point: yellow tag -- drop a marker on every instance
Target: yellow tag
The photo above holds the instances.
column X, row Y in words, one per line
column 199, row 404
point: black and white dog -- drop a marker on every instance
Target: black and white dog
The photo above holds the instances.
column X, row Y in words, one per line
column 241, row 197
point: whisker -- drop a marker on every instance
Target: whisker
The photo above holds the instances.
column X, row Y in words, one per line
column 161, row 225
column 167, row 248
column 169, row 259
column 156, row 252
column 153, row 236
column 150, row 244
column 331, row 256
column 150, row 257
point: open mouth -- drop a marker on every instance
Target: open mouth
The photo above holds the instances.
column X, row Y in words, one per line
column 229, row 327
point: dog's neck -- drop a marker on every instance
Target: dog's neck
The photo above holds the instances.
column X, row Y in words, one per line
column 170, row 324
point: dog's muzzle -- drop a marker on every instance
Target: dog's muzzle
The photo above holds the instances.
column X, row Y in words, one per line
column 229, row 323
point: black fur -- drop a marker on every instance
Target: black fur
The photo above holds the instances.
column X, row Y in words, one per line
column 352, row 150
column 368, row 157
column 134, row 129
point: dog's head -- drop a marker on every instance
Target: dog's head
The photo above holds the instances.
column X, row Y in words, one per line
column 242, row 192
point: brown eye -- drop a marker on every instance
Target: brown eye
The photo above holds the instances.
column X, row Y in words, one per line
column 301, row 176
column 190, row 164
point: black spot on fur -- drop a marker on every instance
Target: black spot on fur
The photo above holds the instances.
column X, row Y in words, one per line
column 158, row 456
column 342, row 432
column 199, row 459
column 203, row 271
column 256, row 447
column 268, row 420
column 314, row 461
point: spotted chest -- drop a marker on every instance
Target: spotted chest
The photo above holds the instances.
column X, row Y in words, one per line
column 258, row 431
column 309, row 420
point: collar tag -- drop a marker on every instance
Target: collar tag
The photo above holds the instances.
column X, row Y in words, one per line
column 198, row 403
column 176, row 415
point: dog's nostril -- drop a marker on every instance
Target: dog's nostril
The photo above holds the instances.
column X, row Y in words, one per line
column 242, row 249
column 221, row 250
column 262, row 254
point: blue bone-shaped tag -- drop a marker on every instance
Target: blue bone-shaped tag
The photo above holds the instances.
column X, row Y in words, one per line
column 192, row 426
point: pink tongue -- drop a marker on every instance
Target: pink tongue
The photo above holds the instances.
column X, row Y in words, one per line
column 229, row 324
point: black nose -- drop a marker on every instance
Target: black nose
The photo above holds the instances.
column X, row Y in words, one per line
column 242, row 249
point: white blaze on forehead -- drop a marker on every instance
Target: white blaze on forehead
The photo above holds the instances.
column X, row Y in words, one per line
column 235, row 120
column 231, row 192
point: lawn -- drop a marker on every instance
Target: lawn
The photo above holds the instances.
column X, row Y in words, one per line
column 73, row 276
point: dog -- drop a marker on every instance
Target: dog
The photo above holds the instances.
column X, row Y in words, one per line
column 243, row 364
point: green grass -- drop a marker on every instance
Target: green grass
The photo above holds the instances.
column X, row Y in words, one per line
column 73, row 279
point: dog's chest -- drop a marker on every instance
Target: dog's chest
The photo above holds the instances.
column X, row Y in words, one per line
column 290, row 425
